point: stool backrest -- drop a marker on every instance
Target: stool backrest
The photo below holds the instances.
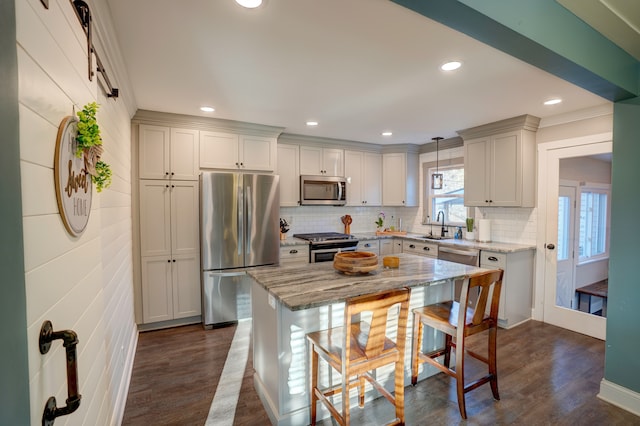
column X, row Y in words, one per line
column 371, row 340
column 490, row 284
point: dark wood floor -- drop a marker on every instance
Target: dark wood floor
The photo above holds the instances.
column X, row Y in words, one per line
column 547, row 376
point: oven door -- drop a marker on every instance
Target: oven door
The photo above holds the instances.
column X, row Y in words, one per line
column 326, row 255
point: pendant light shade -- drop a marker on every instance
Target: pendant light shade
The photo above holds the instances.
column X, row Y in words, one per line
column 437, row 177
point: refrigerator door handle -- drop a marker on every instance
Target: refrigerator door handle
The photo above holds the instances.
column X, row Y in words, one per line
column 249, row 205
column 226, row 274
column 240, row 213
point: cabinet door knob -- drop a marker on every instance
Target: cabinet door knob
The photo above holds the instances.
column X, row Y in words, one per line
column 237, row 164
column 166, row 173
column 166, row 186
column 412, row 246
column 241, row 164
column 492, row 258
column 172, row 173
column 551, row 246
column 426, row 248
column 293, row 251
column 174, row 260
column 168, row 260
column 367, row 245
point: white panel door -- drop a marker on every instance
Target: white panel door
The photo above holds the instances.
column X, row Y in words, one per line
column 157, row 291
column 372, row 179
column 184, row 153
column 476, row 167
column 549, row 184
column 153, row 152
column 155, row 218
column 310, row 160
column 184, row 218
column 186, row 286
column 289, row 171
column 219, row 150
column 257, row 153
column 333, row 162
column 353, row 164
column 565, row 285
column 394, row 179
column 506, row 180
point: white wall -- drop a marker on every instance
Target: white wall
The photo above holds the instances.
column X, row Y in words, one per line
column 84, row 283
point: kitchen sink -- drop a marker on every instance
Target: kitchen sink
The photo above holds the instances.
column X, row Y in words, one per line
column 435, row 237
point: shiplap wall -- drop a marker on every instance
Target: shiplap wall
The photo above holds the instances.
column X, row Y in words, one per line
column 84, row 283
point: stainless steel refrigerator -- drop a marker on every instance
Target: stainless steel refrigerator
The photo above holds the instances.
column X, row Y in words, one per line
column 239, row 229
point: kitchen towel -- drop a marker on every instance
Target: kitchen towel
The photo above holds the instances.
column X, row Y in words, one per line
column 484, row 230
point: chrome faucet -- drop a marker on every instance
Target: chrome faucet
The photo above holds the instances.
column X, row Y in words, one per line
column 444, row 230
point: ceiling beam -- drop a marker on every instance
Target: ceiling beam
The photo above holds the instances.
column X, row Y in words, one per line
column 545, row 35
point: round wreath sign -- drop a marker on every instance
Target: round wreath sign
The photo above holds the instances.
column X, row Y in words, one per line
column 72, row 180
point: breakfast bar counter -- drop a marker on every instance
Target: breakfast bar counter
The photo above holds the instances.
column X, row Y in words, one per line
column 290, row 301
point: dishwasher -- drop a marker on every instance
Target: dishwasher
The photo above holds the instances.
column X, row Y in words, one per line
column 467, row 256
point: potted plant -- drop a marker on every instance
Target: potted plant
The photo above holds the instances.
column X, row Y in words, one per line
column 380, row 221
column 284, row 228
column 470, row 234
column 89, row 146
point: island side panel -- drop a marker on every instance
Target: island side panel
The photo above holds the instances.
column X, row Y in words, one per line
column 281, row 354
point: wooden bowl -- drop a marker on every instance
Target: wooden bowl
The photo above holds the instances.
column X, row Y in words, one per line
column 391, row 261
column 355, row 262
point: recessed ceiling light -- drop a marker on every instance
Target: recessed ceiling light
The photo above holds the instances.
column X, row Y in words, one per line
column 450, row 66
column 387, row 133
column 312, row 123
column 207, row 109
column 553, row 101
column 249, row 4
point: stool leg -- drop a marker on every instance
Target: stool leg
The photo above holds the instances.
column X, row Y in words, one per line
column 361, row 391
column 460, row 376
column 493, row 365
column 399, row 391
column 447, row 348
column 416, row 344
column 314, row 383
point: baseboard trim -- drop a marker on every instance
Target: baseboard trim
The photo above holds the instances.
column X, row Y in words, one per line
column 123, row 392
column 620, row 396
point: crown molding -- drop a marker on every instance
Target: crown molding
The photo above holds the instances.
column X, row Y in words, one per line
column 521, row 122
column 204, row 123
column 578, row 115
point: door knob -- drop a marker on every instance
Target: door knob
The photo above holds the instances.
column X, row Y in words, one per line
column 551, row 246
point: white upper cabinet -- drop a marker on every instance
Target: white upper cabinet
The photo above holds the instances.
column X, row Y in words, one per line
column 363, row 171
column 220, row 150
column 400, row 179
column 168, row 153
column 321, row 161
column 500, row 167
column 289, row 171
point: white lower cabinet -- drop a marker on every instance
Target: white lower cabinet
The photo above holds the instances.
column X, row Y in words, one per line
column 372, row 246
column 420, row 249
column 170, row 252
column 293, row 255
column 386, row 246
column 517, row 284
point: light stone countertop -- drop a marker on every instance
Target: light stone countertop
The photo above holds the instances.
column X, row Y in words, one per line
column 317, row 284
column 491, row 246
column 366, row 236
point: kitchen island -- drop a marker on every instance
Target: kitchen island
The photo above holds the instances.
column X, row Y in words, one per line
column 290, row 301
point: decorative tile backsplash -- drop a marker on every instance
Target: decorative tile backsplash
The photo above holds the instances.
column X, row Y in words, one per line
column 508, row 225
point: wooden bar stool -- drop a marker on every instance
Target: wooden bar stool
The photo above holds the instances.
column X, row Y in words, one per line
column 357, row 348
column 461, row 323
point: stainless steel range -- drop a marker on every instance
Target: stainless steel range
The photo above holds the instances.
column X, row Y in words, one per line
column 324, row 245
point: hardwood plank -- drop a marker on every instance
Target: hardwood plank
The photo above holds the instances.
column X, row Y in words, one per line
column 547, row 375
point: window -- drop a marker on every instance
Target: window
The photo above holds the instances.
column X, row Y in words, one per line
column 449, row 199
column 593, row 228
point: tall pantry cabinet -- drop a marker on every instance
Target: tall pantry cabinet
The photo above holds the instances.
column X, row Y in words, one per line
column 169, row 220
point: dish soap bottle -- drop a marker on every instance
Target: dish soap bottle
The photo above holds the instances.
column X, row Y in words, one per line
column 458, row 235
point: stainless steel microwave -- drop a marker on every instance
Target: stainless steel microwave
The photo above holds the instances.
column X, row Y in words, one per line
column 323, row 190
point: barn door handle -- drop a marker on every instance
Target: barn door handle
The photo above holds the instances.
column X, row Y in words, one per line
column 70, row 342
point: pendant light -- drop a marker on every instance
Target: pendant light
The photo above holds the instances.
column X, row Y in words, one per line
column 436, row 178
